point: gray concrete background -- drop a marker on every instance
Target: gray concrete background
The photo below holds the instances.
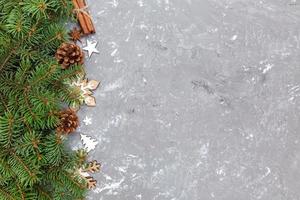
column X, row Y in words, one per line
column 199, row 99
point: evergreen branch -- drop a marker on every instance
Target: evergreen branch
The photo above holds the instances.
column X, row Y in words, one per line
column 10, row 129
column 28, row 104
column 32, row 90
column 26, row 124
column 7, row 194
column 31, row 174
column 13, row 51
column 58, row 36
column 64, row 3
column 49, row 73
column 73, row 181
column 3, row 102
column 70, row 75
column 7, row 129
column 23, row 196
column 45, row 194
column 5, row 170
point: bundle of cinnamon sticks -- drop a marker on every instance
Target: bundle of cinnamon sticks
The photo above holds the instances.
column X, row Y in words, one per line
column 84, row 17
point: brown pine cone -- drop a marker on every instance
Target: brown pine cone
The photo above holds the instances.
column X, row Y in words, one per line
column 69, row 54
column 68, row 121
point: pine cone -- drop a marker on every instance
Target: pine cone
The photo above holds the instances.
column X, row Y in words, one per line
column 68, row 121
column 69, row 54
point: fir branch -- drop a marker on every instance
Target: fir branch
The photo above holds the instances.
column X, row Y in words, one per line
column 6, row 194
column 13, row 51
column 8, row 129
column 49, row 73
column 21, row 192
column 26, row 99
column 32, row 91
column 70, row 75
column 71, row 179
column 3, row 102
column 43, row 193
column 20, row 161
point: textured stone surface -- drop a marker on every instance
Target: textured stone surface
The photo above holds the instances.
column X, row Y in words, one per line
column 199, row 99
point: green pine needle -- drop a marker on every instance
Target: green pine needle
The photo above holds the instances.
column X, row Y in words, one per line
column 35, row 163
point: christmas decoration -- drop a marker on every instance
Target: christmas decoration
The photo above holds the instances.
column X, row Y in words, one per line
column 75, row 34
column 91, row 47
column 35, row 162
column 91, row 182
column 93, row 167
column 87, row 121
column 69, row 54
column 68, row 121
column 85, row 87
column 88, row 142
column 83, row 16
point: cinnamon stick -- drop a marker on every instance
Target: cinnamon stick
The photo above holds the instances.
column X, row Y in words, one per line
column 87, row 17
column 84, row 18
column 80, row 18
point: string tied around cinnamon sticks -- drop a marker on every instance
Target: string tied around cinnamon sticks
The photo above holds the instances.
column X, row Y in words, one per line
column 83, row 10
column 83, row 16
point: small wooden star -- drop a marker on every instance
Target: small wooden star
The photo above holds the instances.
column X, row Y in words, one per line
column 75, row 34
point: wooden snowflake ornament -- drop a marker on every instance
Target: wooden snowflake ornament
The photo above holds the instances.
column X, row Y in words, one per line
column 90, row 101
column 86, row 87
column 91, row 167
column 91, row 182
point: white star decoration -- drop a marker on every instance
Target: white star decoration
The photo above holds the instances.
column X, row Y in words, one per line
column 91, row 47
column 88, row 142
column 87, row 121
